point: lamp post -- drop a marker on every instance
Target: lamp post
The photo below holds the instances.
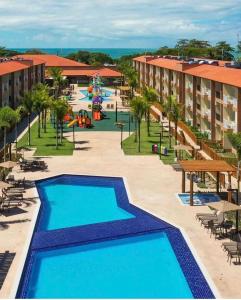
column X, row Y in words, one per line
column 116, row 111
column 161, row 140
column 121, row 126
column 129, row 120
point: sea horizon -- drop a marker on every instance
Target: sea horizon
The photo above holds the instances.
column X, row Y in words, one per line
column 113, row 52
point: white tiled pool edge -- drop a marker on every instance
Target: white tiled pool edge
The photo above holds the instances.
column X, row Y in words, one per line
column 16, row 282
column 20, row 268
column 187, row 239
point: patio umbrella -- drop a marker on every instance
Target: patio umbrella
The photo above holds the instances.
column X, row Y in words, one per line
column 224, row 206
column 8, row 164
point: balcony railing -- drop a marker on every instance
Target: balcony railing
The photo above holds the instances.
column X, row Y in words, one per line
column 231, row 125
column 228, row 100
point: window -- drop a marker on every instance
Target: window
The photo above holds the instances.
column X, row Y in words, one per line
column 218, row 94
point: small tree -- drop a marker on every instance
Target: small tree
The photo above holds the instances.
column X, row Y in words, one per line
column 168, row 110
column 139, row 108
column 175, row 115
column 7, row 119
column 60, row 108
column 150, row 96
column 58, row 80
column 18, row 113
column 235, row 140
column 27, row 105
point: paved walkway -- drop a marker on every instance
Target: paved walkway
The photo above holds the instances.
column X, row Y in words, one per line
column 152, row 186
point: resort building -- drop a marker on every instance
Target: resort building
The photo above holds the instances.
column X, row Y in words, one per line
column 210, row 91
column 75, row 72
column 17, row 76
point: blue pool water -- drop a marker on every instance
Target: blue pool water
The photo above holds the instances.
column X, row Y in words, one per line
column 106, row 95
column 74, row 204
column 199, row 198
column 136, row 267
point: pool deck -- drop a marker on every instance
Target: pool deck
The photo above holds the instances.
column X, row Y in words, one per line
column 152, row 186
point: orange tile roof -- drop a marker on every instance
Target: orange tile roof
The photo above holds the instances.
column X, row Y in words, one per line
column 142, row 58
column 171, row 64
column 105, row 72
column 54, row 60
column 220, row 73
column 32, row 61
column 11, row 66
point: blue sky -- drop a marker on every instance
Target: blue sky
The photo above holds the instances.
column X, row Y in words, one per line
column 116, row 23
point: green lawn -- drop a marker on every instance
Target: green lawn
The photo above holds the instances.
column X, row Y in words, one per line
column 46, row 144
column 131, row 148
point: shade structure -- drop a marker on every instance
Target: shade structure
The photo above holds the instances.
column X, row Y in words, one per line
column 206, row 166
column 193, row 166
column 4, row 185
column 224, row 206
column 8, row 164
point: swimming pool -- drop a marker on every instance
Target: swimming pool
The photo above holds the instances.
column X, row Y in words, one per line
column 122, row 253
column 106, row 95
column 72, row 203
column 198, row 198
column 136, row 267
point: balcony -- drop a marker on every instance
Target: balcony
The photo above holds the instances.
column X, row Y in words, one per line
column 207, row 92
column 230, row 101
column 229, row 125
column 206, row 114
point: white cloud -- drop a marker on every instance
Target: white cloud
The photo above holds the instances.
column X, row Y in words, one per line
column 102, row 21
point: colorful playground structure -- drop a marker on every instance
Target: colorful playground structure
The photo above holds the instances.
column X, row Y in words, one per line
column 80, row 119
column 95, row 94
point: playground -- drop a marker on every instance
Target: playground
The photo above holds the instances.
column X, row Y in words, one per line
column 97, row 109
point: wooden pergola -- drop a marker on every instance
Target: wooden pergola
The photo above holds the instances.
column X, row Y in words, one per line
column 212, row 166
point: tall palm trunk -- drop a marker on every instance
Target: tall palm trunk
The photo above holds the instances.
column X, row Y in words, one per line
column 29, row 134
column 61, row 132
column 42, row 119
column 57, row 133
column 175, row 132
column 148, row 122
column 45, row 120
column 39, row 125
column 139, row 136
column 5, row 142
column 135, row 130
column 16, row 140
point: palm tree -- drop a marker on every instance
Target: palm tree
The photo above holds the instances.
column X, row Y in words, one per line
column 58, row 80
column 175, row 115
column 38, row 106
column 168, row 110
column 235, row 140
column 150, row 96
column 7, row 119
column 27, row 105
column 132, row 80
column 41, row 102
column 60, row 108
column 18, row 113
column 139, row 107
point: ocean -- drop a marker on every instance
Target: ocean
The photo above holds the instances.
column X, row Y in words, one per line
column 113, row 52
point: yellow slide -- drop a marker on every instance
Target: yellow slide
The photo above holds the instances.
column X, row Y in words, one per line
column 72, row 123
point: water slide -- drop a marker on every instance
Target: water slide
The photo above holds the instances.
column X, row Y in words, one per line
column 72, row 123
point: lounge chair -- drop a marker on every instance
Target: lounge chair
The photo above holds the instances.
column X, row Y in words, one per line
column 231, row 244
column 234, row 252
column 200, row 216
column 218, row 219
column 8, row 194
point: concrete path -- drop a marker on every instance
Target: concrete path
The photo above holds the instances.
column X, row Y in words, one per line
column 153, row 187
